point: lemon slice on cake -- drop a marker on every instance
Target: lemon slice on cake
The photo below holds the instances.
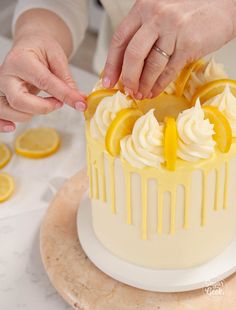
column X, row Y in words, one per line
column 170, row 143
column 94, row 99
column 37, row 142
column 185, row 75
column 5, row 155
column 121, row 126
column 212, row 89
column 223, row 131
column 7, row 186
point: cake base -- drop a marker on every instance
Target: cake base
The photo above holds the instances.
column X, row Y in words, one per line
column 178, row 280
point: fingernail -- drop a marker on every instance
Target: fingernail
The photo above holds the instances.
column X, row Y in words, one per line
column 138, row 96
column 128, row 91
column 150, row 95
column 106, row 82
column 81, row 106
column 8, row 128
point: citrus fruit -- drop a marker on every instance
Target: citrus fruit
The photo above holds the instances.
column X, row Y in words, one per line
column 170, row 143
column 121, row 126
column 7, row 186
column 37, row 142
column 5, row 155
column 223, row 131
column 212, row 89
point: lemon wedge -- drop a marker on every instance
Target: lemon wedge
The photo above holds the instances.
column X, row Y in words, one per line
column 212, row 89
column 164, row 105
column 7, row 186
column 223, row 131
column 94, row 99
column 185, row 75
column 37, row 142
column 170, row 143
column 121, row 126
column 5, row 155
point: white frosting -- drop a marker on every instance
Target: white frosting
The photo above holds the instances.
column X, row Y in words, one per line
column 210, row 72
column 144, row 147
column 195, row 134
column 106, row 112
column 226, row 103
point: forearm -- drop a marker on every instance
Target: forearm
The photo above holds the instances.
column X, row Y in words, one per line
column 45, row 22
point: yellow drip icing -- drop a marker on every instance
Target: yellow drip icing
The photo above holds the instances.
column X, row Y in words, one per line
column 89, row 171
column 102, row 176
column 112, row 183
column 169, row 182
column 226, row 185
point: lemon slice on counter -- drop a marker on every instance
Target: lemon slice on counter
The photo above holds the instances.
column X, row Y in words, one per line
column 5, row 155
column 212, row 89
column 121, row 126
column 164, row 105
column 170, row 143
column 7, row 187
column 37, row 142
column 94, row 99
column 223, row 131
column 185, row 75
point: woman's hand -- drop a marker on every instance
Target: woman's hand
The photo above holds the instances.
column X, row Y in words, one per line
column 36, row 62
column 184, row 30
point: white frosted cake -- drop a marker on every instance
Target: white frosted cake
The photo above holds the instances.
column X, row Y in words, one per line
column 163, row 171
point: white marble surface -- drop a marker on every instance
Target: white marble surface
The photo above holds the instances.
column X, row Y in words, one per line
column 23, row 281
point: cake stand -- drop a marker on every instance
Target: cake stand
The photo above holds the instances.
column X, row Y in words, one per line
column 85, row 287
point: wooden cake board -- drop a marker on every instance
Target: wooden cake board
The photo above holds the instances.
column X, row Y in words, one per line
column 85, row 287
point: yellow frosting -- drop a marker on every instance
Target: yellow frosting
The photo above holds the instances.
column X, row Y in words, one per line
column 145, row 146
column 195, row 134
column 106, row 112
column 226, row 103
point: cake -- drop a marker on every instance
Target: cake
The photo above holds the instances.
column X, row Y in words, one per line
column 162, row 171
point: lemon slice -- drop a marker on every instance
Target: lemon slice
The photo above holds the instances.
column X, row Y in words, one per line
column 94, row 99
column 164, row 105
column 121, row 126
column 185, row 74
column 37, row 142
column 7, row 186
column 5, row 155
column 223, row 131
column 212, row 89
column 170, row 143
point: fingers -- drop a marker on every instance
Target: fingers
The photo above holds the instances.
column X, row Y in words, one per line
column 40, row 76
column 6, row 126
column 9, row 114
column 176, row 63
column 120, row 40
column 155, row 64
column 135, row 55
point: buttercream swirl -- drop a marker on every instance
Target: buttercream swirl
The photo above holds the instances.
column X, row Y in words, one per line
column 226, row 103
column 195, row 134
column 144, row 147
column 210, row 72
column 106, row 112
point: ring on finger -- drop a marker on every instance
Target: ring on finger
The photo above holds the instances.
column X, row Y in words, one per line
column 160, row 51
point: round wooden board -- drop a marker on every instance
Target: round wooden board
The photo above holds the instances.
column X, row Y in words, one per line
column 85, row 287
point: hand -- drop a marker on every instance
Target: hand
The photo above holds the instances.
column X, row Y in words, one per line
column 36, row 62
column 185, row 30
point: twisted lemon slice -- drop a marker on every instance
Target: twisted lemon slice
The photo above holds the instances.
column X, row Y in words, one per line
column 223, row 131
column 170, row 143
column 212, row 89
column 121, row 126
column 185, row 75
column 94, row 99
column 7, row 186
column 37, row 142
column 5, row 155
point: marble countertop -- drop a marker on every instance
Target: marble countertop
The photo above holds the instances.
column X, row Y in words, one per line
column 23, row 281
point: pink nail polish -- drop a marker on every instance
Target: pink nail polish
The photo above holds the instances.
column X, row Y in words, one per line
column 106, row 82
column 128, row 91
column 9, row 128
column 81, row 106
column 139, row 96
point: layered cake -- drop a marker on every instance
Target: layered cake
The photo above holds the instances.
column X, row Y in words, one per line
column 162, row 171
